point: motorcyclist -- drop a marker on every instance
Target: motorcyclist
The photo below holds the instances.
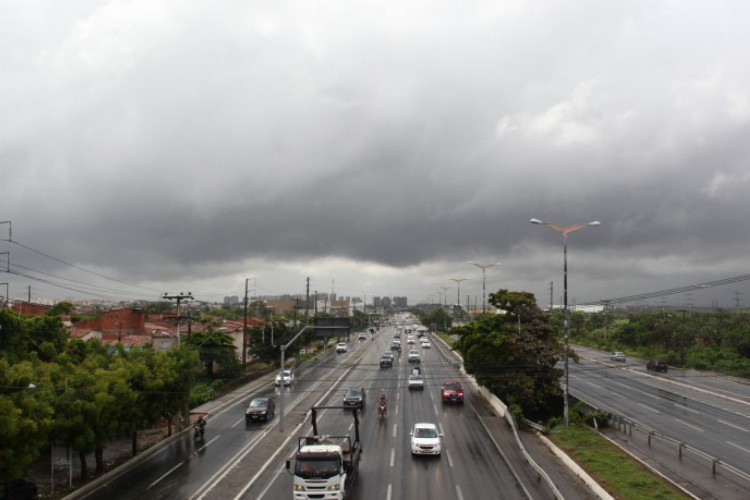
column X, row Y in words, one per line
column 383, row 400
column 200, row 425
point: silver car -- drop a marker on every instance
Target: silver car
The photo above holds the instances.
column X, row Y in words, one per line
column 286, row 377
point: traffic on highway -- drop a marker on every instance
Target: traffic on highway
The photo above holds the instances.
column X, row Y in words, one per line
column 424, row 446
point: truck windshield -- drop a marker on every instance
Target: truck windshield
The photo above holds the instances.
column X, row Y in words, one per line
column 316, row 467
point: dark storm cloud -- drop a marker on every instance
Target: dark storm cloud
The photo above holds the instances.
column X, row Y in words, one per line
column 156, row 140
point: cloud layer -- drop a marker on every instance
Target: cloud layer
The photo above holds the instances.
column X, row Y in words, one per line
column 378, row 146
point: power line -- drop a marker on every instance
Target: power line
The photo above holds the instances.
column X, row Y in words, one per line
column 671, row 291
column 103, row 276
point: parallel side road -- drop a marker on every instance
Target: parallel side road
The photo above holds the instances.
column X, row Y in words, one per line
column 712, row 415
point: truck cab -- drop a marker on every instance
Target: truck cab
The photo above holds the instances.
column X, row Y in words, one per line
column 322, row 470
column 325, row 467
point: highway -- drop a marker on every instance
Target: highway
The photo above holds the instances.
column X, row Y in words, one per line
column 242, row 462
column 707, row 412
column 470, row 467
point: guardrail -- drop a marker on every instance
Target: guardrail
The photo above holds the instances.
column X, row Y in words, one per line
column 620, row 423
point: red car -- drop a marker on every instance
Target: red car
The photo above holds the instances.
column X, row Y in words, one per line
column 452, row 392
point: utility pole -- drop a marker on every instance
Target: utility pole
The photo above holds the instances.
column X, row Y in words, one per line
column 244, row 327
column 445, row 295
column 179, row 298
column 307, row 302
column 551, row 295
column 458, row 299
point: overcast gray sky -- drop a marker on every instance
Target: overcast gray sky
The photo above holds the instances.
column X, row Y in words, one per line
column 374, row 146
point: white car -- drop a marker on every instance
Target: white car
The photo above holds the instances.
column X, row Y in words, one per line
column 416, row 382
column 341, row 347
column 286, row 377
column 414, row 357
column 426, row 344
column 425, row 439
column 618, row 356
column 410, row 339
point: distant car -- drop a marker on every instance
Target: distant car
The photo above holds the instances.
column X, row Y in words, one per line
column 286, row 377
column 396, row 341
column 452, row 392
column 260, row 409
column 656, row 365
column 341, row 347
column 414, row 356
column 389, row 354
column 426, row 344
column 416, row 382
column 425, row 439
column 410, row 339
column 618, row 356
column 354, row 397
column 362, row 336
column 396, row 347
column 397, row 336
column 386, row 362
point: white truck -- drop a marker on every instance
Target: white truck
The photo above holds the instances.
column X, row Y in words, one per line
column 325, row 467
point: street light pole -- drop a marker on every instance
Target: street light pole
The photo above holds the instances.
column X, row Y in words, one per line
column 458, row 283
column 565, row 231
column 484, row 268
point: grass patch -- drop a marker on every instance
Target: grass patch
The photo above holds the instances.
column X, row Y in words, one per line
column 612, row 468
column 447, row 338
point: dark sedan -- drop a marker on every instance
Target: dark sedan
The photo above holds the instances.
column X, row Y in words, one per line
column 355, row 397
column 260, row 409
column 657, row 365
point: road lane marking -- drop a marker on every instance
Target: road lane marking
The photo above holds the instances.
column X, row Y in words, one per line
column 281, row 469
column 165, row 475
column 450, row 460
column 394, row 429
column 689, row 425
column 393, row 456
column 739, row 447
column 459, row 495
column 222, row 473
column 683, row 407
column 388, row 495
column 649, row 408
column 732, row 425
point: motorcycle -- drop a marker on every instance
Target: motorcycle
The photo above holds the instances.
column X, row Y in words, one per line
column 382, row 409
column 198, row 431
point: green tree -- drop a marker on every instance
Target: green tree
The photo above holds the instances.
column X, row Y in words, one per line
column 215, row 347
column 25, row 417
column 23, row 337
column 514, row 354
column 60, row 309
